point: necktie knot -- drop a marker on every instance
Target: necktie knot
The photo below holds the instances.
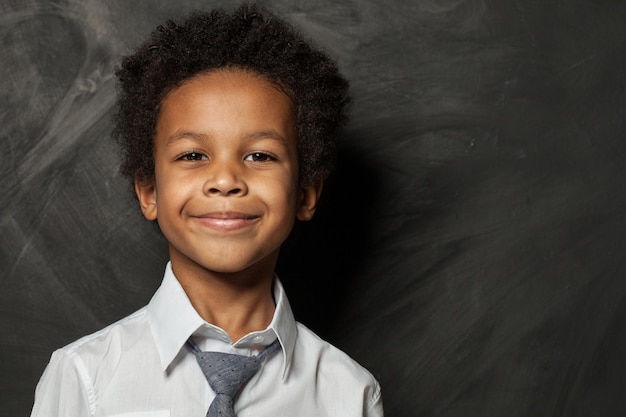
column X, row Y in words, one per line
column 226, row 373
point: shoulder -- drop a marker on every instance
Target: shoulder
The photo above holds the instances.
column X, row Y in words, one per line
column 67, row 386
column 328, row 356
column 97, row 355
column 335, row 370
column 105, row 342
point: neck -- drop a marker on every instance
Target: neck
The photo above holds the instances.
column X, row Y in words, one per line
column 237, row 302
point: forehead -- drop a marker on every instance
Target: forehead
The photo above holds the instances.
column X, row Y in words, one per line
column 227, row 101
column 225, row 80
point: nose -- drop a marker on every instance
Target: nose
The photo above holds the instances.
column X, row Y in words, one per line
column 225, row 179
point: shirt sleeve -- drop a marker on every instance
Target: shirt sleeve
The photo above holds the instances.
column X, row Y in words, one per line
column 375, row 403
column 64, row 388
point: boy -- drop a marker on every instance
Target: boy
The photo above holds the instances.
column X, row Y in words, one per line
column 227, row 125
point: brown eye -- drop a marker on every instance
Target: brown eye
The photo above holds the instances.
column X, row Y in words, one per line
column 193, row 156
column 259, row 157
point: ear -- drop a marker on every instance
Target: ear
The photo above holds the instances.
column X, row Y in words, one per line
column 147, row 196
column 309, row 197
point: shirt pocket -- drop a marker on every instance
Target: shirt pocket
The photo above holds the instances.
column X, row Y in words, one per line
column 155, row 413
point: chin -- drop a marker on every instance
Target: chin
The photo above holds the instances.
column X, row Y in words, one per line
column 234, row 266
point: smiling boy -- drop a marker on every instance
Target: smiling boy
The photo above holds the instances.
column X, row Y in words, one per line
column 227, row 124
column 226, row 192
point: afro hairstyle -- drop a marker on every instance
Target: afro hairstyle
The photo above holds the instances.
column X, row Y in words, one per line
column 251, row 39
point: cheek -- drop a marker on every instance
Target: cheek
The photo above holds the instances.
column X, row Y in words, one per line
column 287, row 186
column 278, row 192
column 172, row 189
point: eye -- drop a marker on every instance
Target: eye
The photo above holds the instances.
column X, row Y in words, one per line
column 193, row 156
column 259, row 157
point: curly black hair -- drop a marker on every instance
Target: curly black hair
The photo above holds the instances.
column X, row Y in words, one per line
column 251, row 39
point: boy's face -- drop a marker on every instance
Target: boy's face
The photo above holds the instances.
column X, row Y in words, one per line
column 226, row 190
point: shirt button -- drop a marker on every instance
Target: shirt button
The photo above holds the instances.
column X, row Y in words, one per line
column 258, row 339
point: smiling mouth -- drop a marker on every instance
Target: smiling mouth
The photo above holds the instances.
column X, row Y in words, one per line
column 226, row 221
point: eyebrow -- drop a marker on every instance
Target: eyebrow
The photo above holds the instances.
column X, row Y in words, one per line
column 267, row 134
column 185, row 134
column 263, row 134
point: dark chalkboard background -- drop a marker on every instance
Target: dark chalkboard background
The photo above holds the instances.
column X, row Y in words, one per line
column 470, row 249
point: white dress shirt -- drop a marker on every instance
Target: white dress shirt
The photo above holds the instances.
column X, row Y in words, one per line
column 141, row 366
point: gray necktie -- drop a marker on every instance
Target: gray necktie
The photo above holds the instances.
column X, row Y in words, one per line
column 226, row 373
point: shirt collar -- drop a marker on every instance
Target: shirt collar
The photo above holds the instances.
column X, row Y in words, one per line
column 173, row 320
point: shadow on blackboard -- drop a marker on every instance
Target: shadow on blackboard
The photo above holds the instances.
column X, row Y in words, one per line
column 322, row 257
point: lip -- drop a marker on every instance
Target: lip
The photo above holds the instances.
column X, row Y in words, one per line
column 226, row 220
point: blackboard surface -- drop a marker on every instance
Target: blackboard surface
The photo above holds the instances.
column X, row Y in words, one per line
column 470, row 248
